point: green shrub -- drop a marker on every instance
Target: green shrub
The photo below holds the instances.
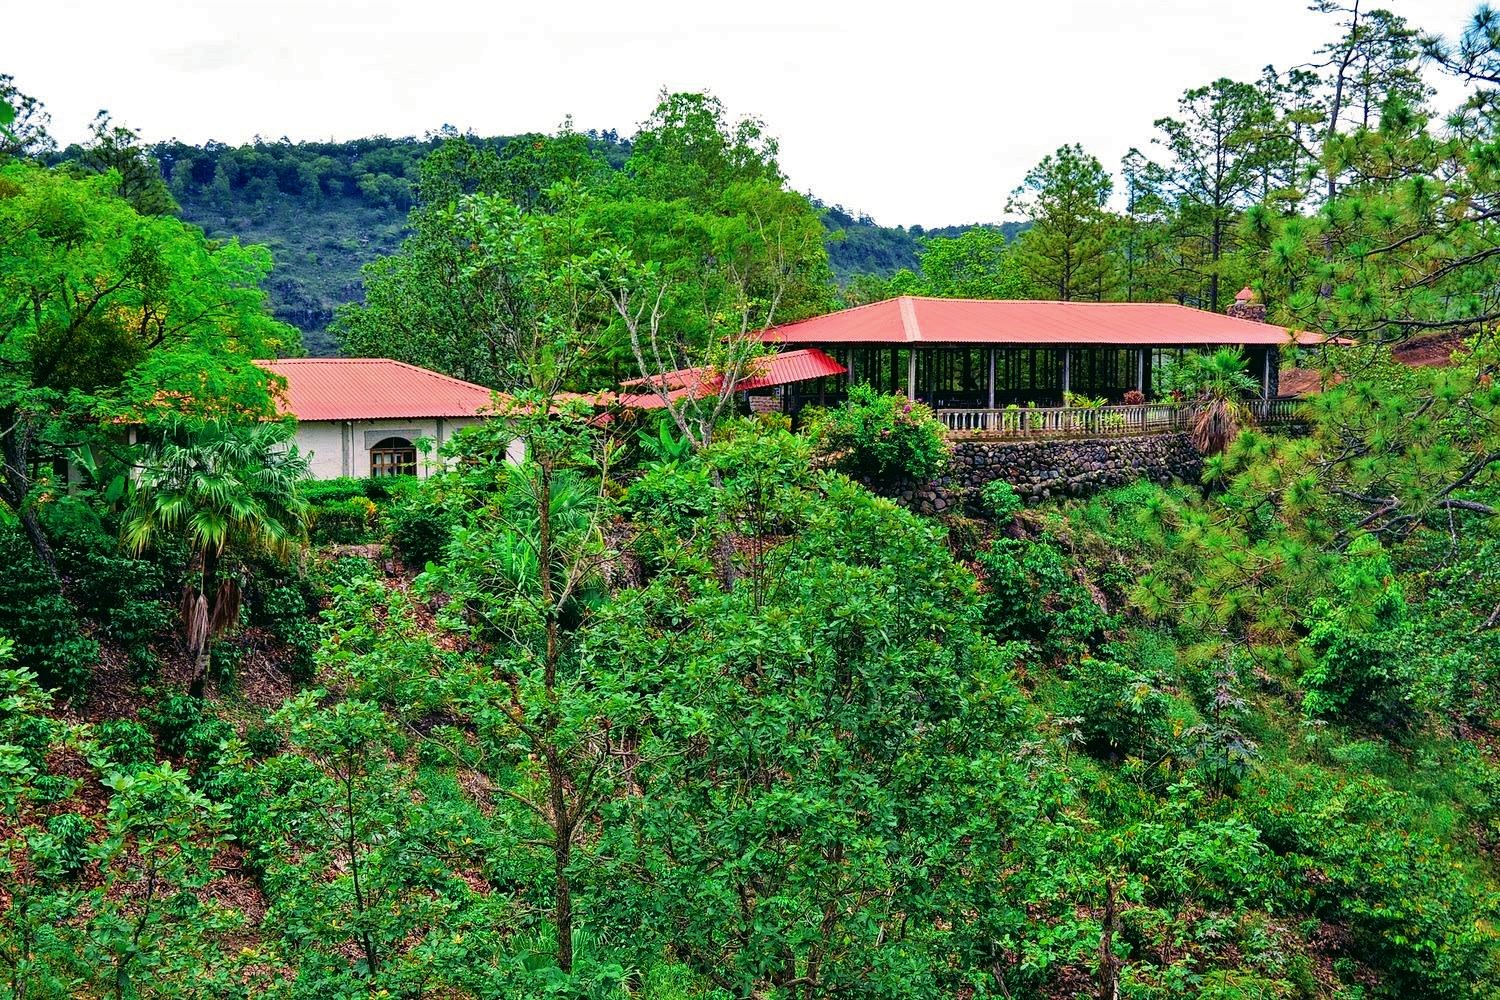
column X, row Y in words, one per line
column 321, row 491
column 120, row 593
column 1364, row 664
column 55, row 787
column 1001, row 500
column 204, row 742
column 277, row 603
column 672, row 496
column 1030, row 595
column 301, row 637
column 124, row 595
column 1120, row 708
column 382, row 488
column 343, row 522
column 224, row 658
column 341, row 572
column 420, row 527
column 885, row 436
column 41, row 622
column 174, row 715
column 62, row 850
column 284, row 609
column 124, row 743
column 262, row 739
column 31, row 734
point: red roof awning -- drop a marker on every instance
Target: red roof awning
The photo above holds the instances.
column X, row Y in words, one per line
column 771, row 369
column 914, row 319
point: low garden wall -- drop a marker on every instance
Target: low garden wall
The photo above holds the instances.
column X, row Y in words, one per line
column 1042, row 470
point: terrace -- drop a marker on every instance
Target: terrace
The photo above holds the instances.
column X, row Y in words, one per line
column 1095, row 421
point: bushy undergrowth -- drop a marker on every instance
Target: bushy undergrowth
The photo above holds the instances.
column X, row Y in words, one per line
column 802, row 720
column 885, row 436
column 41, row 622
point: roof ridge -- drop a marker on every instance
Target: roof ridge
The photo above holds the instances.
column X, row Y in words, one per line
column 1029, row 302
column 441, row 375
column 381, row 361
column 909, row 325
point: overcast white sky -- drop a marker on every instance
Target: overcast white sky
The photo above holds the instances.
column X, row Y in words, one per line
column 916, row 113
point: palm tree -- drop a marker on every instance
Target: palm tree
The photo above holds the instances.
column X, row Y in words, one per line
column 1216, row 386
column 229, row 490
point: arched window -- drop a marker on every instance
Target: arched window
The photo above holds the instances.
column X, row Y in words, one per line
column 393, row 456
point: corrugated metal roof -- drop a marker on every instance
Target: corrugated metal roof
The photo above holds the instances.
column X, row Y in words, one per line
column 772, row 369
column 789, row 366
column 373, row 389
column 911, row 319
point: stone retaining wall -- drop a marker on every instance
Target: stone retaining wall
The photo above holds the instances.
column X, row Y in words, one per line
column 1042, row 470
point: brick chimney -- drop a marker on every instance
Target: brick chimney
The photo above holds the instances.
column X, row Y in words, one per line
column 1246, row 306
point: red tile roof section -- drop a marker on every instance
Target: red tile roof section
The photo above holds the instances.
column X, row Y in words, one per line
column 913, row 319
column 373, row 389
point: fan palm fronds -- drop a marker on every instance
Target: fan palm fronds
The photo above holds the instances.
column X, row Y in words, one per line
column 1216, row 386
column 222, row 487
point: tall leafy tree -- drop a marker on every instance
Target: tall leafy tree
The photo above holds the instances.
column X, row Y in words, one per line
column 707, row 232
column 23, row 123
column 117, row 150
column 529, row 562
column 689, row 148
column 1065, row 253
column 90, row 290
column 1142, row 240
column 979, row 264
column 433, row 303
column 1373, row 59
column 1212, row 177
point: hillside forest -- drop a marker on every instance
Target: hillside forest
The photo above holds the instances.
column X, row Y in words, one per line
column 687, row 704
column 326, row 209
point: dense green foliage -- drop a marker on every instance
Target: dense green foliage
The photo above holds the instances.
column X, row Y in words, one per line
column 885, row 436
column 677, row 708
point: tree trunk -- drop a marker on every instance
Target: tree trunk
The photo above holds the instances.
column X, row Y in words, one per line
column 39, row 544
column 203, row 653
column 1338, row 89
column 15, row 484
column 1109, row 966
column 562, row 854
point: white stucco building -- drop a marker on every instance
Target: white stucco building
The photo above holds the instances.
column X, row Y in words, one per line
column 371, row 416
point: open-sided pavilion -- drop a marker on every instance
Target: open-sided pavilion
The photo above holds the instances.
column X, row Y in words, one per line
column 986, row 354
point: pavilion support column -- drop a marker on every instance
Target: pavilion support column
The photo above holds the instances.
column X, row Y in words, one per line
column 990, row 383
column 1067, row 373
column 1265, row 377
column 911, row 374
column 1140, row 371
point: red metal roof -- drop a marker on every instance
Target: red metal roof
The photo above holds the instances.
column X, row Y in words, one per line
column 373, row 389
column 1311, row 338
column 912, row 319
column 772, row 369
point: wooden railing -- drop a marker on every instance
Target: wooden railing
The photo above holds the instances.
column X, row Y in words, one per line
column 1097, row 421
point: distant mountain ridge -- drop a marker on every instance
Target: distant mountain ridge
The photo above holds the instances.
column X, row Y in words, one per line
column 325, row 209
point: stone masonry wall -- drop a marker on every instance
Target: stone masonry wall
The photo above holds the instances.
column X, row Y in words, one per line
column 1041, row 470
